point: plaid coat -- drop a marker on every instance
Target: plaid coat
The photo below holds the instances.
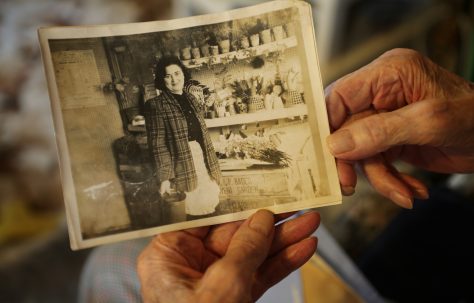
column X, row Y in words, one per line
column 167, row 133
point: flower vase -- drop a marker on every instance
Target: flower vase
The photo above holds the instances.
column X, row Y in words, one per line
column 214, row 50
column 220, row 110
column 244, row 42
column 196, row 53
column 210, row 114
column 224, row 46
column 266, row 36
column 268, row 102
column 231, row 109
column 278, row 33
column 254, row 40
column 205, row 50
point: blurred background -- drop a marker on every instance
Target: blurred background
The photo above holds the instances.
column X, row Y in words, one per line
column 36, row 264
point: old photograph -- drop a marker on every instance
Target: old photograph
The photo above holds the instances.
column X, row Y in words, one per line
column 175, row 124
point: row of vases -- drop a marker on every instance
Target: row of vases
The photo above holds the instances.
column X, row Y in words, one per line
column 255, row 103
column 265, row 36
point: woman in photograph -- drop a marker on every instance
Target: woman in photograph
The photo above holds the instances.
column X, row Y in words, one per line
column 179, row 141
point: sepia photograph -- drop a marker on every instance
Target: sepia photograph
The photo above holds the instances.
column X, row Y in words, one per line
column 175, row 124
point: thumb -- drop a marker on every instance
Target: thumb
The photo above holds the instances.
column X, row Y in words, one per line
column 231, row 278
column 425, row 122
column 250, row 245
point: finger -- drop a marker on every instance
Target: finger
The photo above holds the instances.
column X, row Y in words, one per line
column 232, row 276
column 219, row 237
column 198, row 232
column 277, row 268
column 336, row 108
column 382, row 178
column 418, row 189
column 421, row 123
column 250, row 244
column 347, row 176
column 294, row 231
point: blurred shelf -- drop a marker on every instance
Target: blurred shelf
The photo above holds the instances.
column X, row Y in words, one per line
column 412, row 28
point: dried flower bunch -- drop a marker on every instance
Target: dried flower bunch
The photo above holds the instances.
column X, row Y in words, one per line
column 258, row 147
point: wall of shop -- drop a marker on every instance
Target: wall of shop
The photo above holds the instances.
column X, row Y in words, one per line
column 91, row 128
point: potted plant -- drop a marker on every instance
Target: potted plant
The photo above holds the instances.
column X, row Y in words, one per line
column 185, row 41
column 265, row 33
column 213, row 46
column 200, row 43
column 256, row 100
column 254, row 32
column 241, row 92
column 223, row 37
column 173, row 44
column 240, row 35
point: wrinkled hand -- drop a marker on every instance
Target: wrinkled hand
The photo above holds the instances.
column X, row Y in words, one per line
column 233, row 262
column 400, row 106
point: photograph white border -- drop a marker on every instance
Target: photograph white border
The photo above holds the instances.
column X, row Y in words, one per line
column 316, row 93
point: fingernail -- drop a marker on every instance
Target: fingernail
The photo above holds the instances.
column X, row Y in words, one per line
column 262, row 221
column 401, row 200
column 421, row 193
column 347, row 190
column 341, row 142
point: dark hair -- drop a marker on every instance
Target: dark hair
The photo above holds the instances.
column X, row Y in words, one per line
column 160, row 70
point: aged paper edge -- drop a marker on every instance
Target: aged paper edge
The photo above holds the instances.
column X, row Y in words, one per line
column 310, row 51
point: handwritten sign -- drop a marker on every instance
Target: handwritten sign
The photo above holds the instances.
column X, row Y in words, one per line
column 78, row 79
column 255, row 183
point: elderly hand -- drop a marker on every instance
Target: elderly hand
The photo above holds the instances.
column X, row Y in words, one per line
column 400, row 106
column 233, row 262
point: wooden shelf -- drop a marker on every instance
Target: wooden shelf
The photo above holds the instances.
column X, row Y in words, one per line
column 242, row 53
column 260, row 116
column 263, row 115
